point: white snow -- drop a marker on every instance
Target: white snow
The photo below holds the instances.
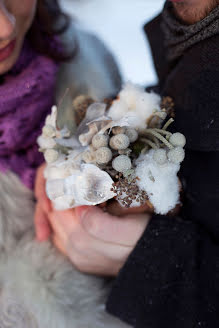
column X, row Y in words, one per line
column 159, row 181
column 119, row 23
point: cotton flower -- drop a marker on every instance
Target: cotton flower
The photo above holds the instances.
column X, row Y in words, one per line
column 135, row 104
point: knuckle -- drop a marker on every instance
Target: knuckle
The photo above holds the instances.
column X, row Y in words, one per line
column 92, row 225
column 78, row 242
column 78, row 262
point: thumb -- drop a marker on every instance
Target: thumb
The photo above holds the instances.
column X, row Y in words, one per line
column 124, row 230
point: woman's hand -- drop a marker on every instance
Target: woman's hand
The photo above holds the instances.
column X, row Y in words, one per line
column 43, row 207
column 95, row 241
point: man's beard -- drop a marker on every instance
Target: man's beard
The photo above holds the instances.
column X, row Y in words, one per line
column 192, row 14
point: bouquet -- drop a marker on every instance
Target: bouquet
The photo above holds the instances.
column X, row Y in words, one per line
column 119, row 149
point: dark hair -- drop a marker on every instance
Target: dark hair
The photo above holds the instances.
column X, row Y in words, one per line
column 49, row 22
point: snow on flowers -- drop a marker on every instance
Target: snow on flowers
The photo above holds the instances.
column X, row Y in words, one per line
column 121, row 149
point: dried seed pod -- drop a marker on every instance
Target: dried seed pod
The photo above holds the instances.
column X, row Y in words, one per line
column 51, row 155
column 122, row 163
column 80, row 104
column 126, row 151
column 178, row 139
column 49, row 131
column 100, row 140
column 176, row 155
column 119, row 141
column 46, row 142
column 132, row 134
column 160, row 156
column 89, row 157
column 85, row 138
column 118, row 129
column 103, row 155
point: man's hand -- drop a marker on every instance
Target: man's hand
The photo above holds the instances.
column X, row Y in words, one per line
column 43, row 207
column 95, row 241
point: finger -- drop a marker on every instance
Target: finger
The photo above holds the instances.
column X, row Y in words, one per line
column 82, row 246
column 58, row 244
column 42, row 225
column 62, row 223
column 114, row 208
column 40, row 189
column 122, row 231
column 39, row 186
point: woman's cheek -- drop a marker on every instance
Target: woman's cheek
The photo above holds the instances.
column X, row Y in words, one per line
column 24, row 12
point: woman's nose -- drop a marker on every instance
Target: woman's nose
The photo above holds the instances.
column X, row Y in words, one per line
column 7, row 22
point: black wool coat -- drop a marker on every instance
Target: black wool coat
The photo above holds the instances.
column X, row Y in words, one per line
column 171, row 279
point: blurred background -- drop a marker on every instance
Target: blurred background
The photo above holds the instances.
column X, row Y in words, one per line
column 119, row 23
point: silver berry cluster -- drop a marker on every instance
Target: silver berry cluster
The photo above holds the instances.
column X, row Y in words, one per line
column 112, row 145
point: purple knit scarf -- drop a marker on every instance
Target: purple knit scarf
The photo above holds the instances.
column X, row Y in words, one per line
column 26, row 97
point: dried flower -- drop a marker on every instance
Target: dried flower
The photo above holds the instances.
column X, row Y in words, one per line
column 100, row 140
column 89, row 156
column 119, row 141
column 128, row 192
column 103, row 155
column 122, row 163
column 49, row 131
column 118, row 129
column 178, row 139
column 132, row 134
column 176, row 155
column 51, row 155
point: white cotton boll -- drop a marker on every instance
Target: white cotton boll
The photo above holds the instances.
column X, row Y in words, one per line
column 176, row 155
column 146, row 104
column 100, row 140
column 130, row 93
column 119, row 141
column 118, row 109
column 103, row 155
column 51, row 155
column 136, row 104
column 160, row 156
column 46, row 142
column 122, row 163
column 159, row 182
column 177, row 139
column 132, row 134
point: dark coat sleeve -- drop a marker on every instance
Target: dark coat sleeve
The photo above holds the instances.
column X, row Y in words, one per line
column 171, row 279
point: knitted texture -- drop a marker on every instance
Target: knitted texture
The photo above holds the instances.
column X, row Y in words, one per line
column 26, row 97
column 180, row 37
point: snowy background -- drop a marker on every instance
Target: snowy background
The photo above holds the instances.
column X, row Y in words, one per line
column 119, row 23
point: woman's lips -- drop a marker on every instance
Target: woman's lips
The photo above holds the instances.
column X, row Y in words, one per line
column 7, row 51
